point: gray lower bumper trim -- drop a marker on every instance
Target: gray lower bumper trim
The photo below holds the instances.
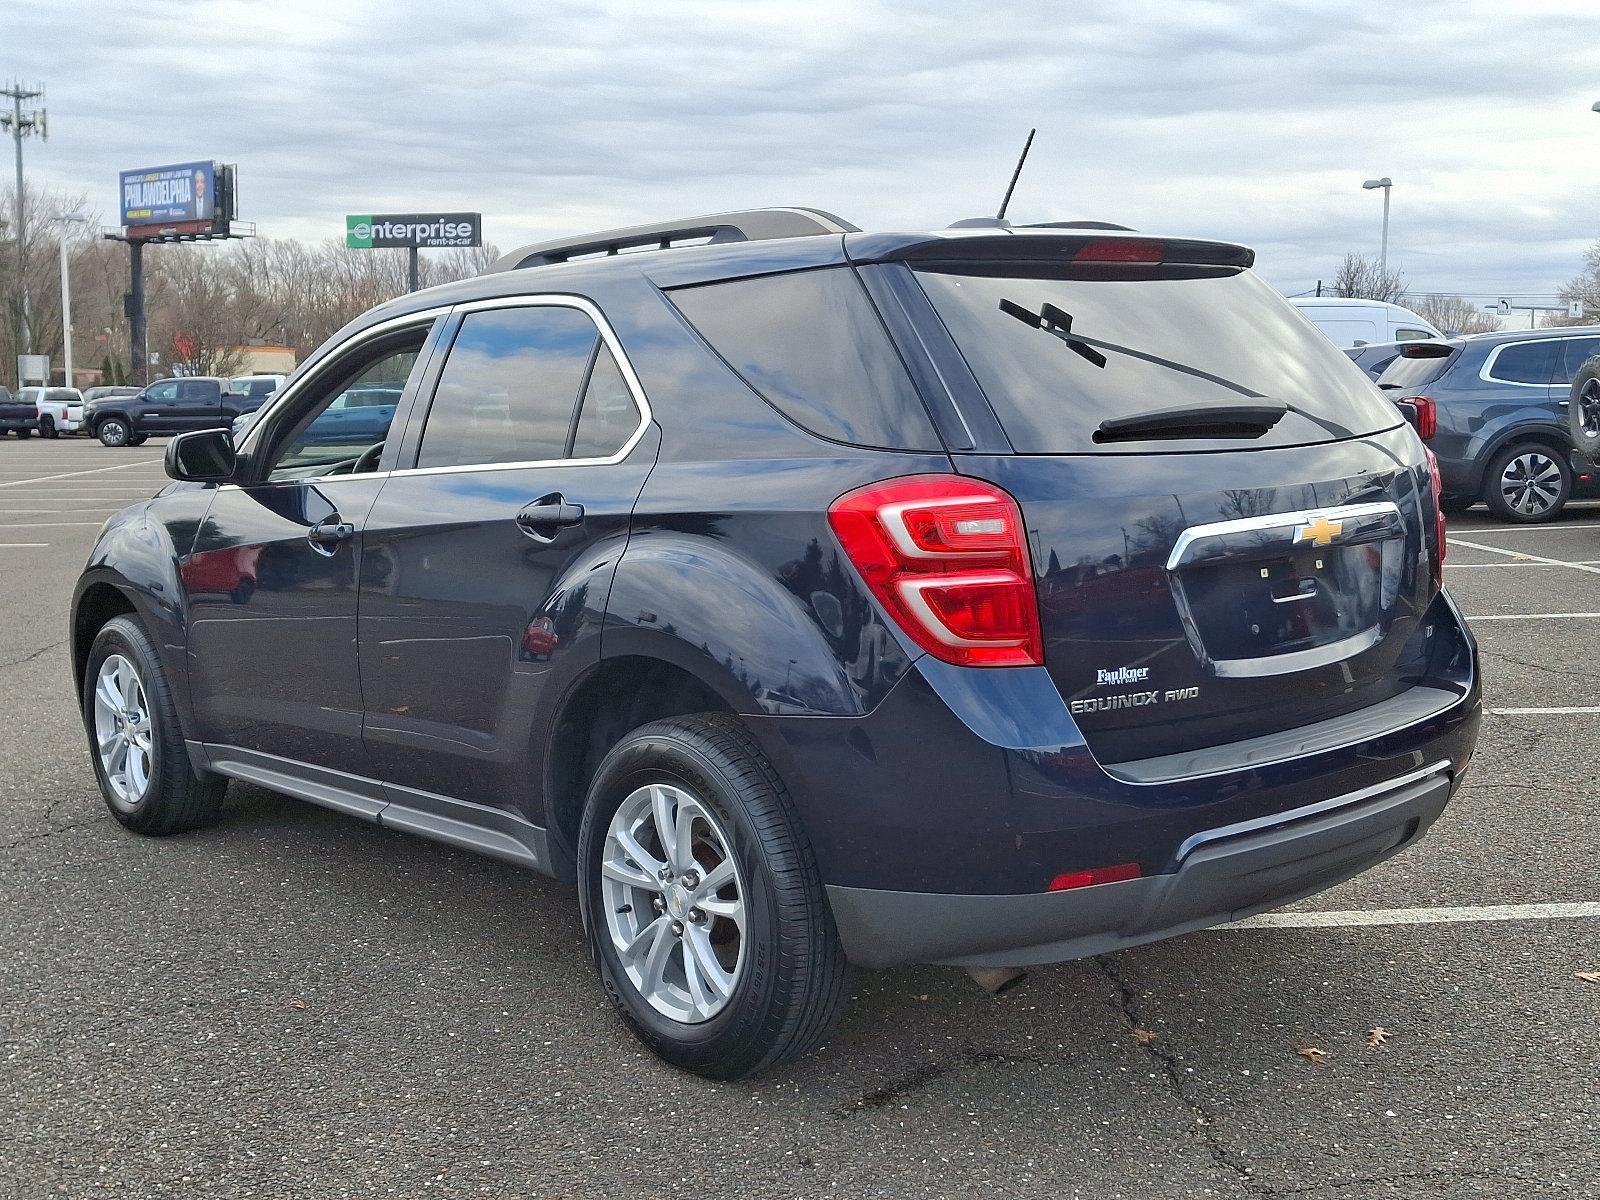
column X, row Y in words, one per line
column 1218, row 881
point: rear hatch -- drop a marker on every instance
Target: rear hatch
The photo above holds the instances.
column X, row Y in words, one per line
column 1226, row 518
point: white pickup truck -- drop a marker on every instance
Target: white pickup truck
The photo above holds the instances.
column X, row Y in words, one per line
column 60, row 409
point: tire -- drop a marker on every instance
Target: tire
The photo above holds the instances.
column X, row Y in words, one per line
column 1457, row 504
column 113, row 432
column 138, row 439
column 1528, row 483
column 47, row 428
column 24, row 433
column 1583, row 409
column 781, row 990
column 167, row 796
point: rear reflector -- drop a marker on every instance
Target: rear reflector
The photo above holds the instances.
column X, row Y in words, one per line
column 1068, row 880
column 947, row 558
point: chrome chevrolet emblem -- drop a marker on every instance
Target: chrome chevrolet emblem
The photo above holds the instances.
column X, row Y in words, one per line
column 1319, row 531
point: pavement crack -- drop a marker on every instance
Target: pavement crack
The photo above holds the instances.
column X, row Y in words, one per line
column 29, row 657
column 921, row 1076
column 1205, row 1117
column 1396, row 1177
column 1586, row 676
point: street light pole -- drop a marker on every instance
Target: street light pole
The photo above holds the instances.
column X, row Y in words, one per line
column 1383, row 254
column 66, row 295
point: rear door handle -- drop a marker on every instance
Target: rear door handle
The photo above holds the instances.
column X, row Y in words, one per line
column 545, row 516
column 327, row 533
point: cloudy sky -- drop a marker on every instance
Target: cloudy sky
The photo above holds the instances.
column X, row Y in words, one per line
column 1255, row 122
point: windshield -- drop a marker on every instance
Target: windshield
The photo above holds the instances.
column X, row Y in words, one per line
column 1198, row 339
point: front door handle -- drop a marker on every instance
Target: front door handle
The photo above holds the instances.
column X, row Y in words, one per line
column 327, row 533
column 545, row 516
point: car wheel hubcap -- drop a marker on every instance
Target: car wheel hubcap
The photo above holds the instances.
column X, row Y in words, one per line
column 124, row 735
column 114, row 434
column 1531, row 483
column 674, row 902
column 1589, row 409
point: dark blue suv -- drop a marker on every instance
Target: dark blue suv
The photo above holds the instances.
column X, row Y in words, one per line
column 1494, row 408
column 989, row 597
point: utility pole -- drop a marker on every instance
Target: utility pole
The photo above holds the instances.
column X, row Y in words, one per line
column 20, row 125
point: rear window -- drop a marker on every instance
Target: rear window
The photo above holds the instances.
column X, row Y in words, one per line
column 811, row 344
column 1407, row 373
column 1203, row 339
column 1525, row 362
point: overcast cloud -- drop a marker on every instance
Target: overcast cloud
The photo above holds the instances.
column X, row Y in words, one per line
column 1252, row 122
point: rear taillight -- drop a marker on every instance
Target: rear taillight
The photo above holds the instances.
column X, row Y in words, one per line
column 1436, row 486
column 1427, row 416
column 948, row 558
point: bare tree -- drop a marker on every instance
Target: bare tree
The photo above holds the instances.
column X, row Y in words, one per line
column 1361, row 278
column 1584, row 286
column 1452, row 314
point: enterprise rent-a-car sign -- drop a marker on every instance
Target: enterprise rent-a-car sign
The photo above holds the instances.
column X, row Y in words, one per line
column 423, row 230
column 162, row 195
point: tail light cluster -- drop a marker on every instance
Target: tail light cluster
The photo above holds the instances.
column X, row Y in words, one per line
column 1437, row 488
column 948, row 558
column 1427, row 415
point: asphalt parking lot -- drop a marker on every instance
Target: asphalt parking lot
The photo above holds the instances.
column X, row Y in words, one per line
column 293, row 1003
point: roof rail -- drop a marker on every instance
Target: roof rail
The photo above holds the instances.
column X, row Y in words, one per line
column 751, row 225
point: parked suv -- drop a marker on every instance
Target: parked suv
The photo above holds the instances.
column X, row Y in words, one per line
column 167, row 406
column 1494, row 408
column 985, row 597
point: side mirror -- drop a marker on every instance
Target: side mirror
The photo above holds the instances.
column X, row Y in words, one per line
column 202, row 456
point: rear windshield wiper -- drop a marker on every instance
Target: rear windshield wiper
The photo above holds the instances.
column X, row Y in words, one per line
column 1198, row 421
column 1058, row 322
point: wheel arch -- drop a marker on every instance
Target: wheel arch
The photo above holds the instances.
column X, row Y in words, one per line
column 1552, row 437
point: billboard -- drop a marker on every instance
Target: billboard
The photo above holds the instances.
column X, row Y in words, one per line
column 423, row 230
column 164, row 195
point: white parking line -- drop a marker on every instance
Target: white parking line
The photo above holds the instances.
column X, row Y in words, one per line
column 1553, row 562
column 49, row 524
column 1453, row 567
column 128, row 466
column 22, row 545
column 1420, row 916
column 1545, row 712
column 1527, row 528
column 1532, row 616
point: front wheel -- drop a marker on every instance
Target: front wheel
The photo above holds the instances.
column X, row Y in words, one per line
column 702, row 902
column 1528, row 483
column 135, row 740
column 113, row 432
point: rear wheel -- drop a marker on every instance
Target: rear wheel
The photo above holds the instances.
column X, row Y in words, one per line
column 702, row 903
column 1527, row 483
column 47, row 427
column 113, row 431
column 135, row 741
column 24, row 432
column 1583, row 409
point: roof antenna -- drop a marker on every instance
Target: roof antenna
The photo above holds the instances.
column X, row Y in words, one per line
column 1012, row 186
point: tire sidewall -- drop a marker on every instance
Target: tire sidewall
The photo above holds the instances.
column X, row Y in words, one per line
column 1588, row 443
column 1496, row 502
column 662, row 758
column 113, row 423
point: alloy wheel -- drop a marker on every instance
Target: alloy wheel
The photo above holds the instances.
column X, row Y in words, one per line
column 1531, row 483
column 1589, row 409
column 674, row 902
column 123, row 732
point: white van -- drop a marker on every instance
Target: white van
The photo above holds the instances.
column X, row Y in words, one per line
column 1358, row 322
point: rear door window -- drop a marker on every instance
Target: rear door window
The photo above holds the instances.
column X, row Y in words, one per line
column 1170, row 340
column 1533, row 363
column 509, row 387
column 810, row 343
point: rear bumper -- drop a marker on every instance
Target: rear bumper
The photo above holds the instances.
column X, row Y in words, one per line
column 8, row 424
column 1223, row 875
